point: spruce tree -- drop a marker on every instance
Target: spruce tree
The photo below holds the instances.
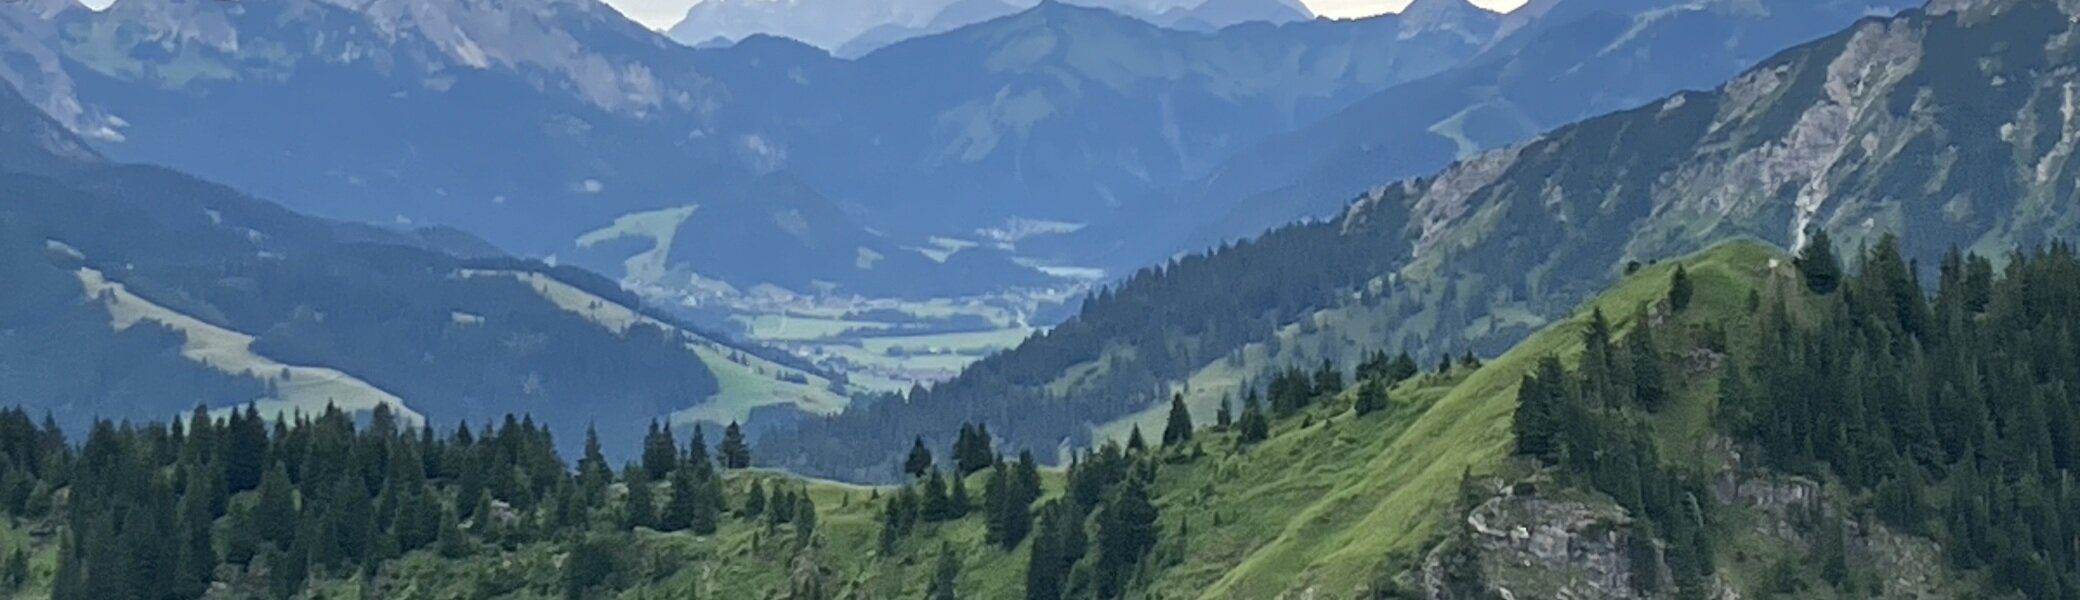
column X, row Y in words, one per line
column 1819, row 265
column 1254, row 426
column 1126, row 532
column 639, row 508
column 197, row 543
column 660, row 452
column 945, row 575
column 1045, row 568
column 1178, row 429
column 1327, row 380
column 680, row 508
column 1225, row 417
column 1679, row 289
column 1372, row 397
column 754, row 501
column 734, row 452
column 274, row 517
column 1135, row 443
column 594, row 475
column 804, row 521
column 920, row 460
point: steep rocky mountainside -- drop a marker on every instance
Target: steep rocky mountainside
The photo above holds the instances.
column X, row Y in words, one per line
column 1947, row 127
column 1558, row 62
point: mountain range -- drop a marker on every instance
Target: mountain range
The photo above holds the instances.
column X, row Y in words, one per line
column 853, row 29
column 475, row 116
column 1943, row 126
column 137, row 292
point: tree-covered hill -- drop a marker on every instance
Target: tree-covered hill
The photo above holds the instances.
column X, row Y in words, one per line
column 1940, row 125
column 1658, row 443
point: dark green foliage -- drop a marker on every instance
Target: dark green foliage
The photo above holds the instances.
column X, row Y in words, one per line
column 972, row 450
column 591, row 564
column 660, row 452
column 754, row 501
column 1178, row 428
column 1255, row 426
column 1951, row 418
column 733, row 452
column 1225, row 417
column 1372, row 397
column 920, row 460
column 1819, row 265
column 804, row 521
column 944, row 575
column 639, row 507
column 1136, row 443
column 1680, row 289
column 1007, row 508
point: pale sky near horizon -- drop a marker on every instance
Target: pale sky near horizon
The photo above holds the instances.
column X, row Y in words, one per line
column 661, row 14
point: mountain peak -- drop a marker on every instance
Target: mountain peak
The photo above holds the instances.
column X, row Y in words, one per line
column 1459, row 17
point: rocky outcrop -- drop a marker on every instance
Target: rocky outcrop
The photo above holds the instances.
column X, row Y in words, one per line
column 1533, row 544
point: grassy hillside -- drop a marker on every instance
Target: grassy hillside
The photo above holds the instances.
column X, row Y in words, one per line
column 1325, row 507
column 1331, row 503
column 744, row 382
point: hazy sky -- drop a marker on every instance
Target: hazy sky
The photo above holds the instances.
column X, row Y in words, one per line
column 659, row 14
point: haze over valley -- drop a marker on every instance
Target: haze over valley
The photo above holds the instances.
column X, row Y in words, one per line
column 1054, row 300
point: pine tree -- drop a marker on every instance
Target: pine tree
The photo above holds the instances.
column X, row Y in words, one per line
column 734, row 452
column 937, row 505
column 451, row 541
column 1225, row 417
column 944, row 575
column 197, row 545
column 697, row 452
column 1178, row 429
column 754, row 501
column 639, row 507
column 1045, row 567
column 804, row 521
column 1254, row 426
column 594, row 475
column 1536, row 421
column 920, row 460
column 1135, row 442
column 660, row 452
column 1818, row 263
column 1679, row 289
column 957, row 497
column 274, row 517
column 1372, row 397
column 679, row 509
column 1649, row 380
column 1327, row 380
column 1126, row 532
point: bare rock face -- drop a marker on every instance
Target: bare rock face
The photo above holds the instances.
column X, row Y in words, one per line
column 1534, row 545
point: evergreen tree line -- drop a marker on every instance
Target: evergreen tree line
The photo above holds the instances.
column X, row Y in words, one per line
column 1953, row 415
column 1593, row 424
column 167, row 511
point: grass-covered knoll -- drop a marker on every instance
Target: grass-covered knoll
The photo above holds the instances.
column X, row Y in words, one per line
column 292, row 389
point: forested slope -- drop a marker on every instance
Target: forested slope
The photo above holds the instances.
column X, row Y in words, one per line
column 1943, row 126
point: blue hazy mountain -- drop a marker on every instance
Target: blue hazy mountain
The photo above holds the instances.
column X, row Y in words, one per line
column 1561, row 61
column 541, row 124
column 853, row 28
column 137, row 293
